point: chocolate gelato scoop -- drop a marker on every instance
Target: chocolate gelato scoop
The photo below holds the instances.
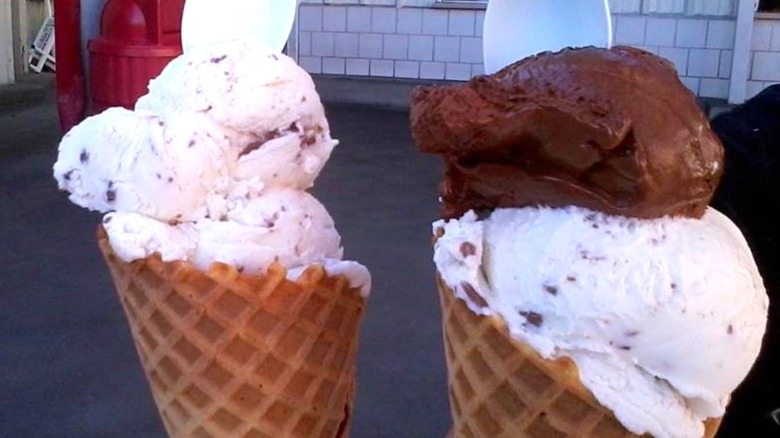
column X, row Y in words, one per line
column 609, row 130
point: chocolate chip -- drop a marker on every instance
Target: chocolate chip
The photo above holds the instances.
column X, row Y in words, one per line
column 625, row 347
column 473, row 295
column 293, row 127
column 552, row 290
column 632, row 333
column 69, row 175
column 251, row 147
column 571, row 279
column 219, row 59
column 161, row 123
column 270, row 223
column 260, row 140
column 110, row 195
column 533, row 318
column 674, row 286
column 468, row 249
column 159, row 176
column 587, row 256
column 192, row 143
column 84, row 157
column 730, row 329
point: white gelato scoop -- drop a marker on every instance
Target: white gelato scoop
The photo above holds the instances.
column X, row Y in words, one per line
column 664, row 317
column 164, row 168
column 212, row 166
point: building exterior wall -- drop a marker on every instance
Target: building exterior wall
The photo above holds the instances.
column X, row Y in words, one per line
column 765, row 56
column 701, row 47
column 6, row 44
column 386, row 41
column 423, row 39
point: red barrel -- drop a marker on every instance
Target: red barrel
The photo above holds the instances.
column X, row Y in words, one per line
column 137, row 40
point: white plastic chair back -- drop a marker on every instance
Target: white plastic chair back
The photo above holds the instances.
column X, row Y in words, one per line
column 42, row 53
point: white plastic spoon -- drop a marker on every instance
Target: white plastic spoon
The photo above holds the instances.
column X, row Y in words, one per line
column 515, row 29
column 209, row 21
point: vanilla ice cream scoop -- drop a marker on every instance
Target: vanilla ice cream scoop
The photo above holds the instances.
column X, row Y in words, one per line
column 212, row 166
column 240, row 86
column 164, row 168
column 257, row 96
column 663, row 317
column 286, row 226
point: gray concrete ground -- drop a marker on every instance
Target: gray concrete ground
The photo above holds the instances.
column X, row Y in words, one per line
column 68, row 368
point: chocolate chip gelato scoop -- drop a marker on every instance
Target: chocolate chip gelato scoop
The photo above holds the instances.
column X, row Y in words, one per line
column 609, row 130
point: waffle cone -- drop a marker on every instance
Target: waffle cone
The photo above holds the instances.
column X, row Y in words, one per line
column 500, row 387
column 249, row 356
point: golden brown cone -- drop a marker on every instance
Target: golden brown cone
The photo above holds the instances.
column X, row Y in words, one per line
column 501, row 388
column 247, row 356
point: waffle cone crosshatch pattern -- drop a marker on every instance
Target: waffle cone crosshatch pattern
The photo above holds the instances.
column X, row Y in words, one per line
column 500, row 387
column 228, row 354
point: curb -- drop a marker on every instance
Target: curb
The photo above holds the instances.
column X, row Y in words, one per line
column 20, row 94
column 391, row 94
column 28, row 90
column 395, row 94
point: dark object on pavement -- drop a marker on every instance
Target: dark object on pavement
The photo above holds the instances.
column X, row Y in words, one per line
column 750, row 195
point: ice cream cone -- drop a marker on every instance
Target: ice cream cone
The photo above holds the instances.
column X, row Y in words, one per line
column 500, row 387
column 250, row 356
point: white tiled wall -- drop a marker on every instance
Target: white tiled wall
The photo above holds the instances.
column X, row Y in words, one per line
column 765, row 64
column 689, row 7
column 380, row 38
column 701, row 48
column 386, row 41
